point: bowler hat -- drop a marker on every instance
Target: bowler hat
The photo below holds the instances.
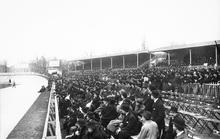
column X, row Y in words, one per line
column 125, row 107
column 173, row 109
column 155, row 93
column 81, row 122
column 79, row 115
column 132, row 98
column 106, row 99
column 85, row 109
column 179, row 122
column 90, row 114
column 74, row 106
column 152, row 87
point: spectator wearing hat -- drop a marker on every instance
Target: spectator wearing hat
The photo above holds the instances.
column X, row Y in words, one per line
column 93, row 131
column 133, row 103
column 125, row 99
column 139, row 107
column 71, row 118
column 90, row 117
column 216, row 77
column 79, row 115
column 170, row 133
column 95, row 102
column 129, row 125
column 207, row 78
column 179, row 126
column 158, row 113
column 148, row 102
column 109, row 112
column 79, row 130
column 149, row 129
column 170, row 87
column 173, row 115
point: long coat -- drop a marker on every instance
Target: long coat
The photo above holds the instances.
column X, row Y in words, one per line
column 130, row 124
column 109, row 112
column 158, row 114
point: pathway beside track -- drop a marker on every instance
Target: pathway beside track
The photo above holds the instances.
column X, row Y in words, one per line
column 32, row 123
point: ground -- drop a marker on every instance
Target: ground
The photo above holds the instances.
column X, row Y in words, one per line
column 15, row 102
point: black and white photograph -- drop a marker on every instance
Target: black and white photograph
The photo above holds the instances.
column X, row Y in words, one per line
column 109, row 69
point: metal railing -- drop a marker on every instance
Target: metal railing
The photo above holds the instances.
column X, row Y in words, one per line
column 52, row 123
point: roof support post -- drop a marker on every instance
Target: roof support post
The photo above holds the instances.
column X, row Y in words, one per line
column 137, row 61
column 91, row 64
column 83, row 65
column 168, row 58
column 123, row 62
column 150, row 61
column 111, row 63
column 190, row 57
column 100, row 63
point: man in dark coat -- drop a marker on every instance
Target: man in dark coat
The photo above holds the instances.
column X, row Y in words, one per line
column 173, row 116
column 148, row 102
column 170, row 87
column 170, row 133
column 179, row 126
column 91, row 117
column 93, row 131
column 109, row 112
column 129, row 125
column 158, row 113
column 79, row 130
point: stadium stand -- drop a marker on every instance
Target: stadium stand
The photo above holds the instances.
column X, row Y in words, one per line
column 186, row 80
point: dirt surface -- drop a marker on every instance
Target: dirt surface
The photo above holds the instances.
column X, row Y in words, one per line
column 31, row 125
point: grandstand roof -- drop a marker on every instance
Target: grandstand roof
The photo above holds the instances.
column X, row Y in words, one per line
column 111, row 55
column 185, row 46
column 162, row 49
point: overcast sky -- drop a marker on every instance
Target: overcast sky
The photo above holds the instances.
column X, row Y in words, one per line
column 69, row 29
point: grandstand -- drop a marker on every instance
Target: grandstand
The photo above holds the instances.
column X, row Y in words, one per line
column 194, row 91
column 190, row 84
column 192, row 54
column 129, row 60
column 179, row 55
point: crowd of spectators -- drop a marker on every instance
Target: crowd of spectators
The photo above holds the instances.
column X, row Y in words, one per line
column 92, row 106
column 196, row 61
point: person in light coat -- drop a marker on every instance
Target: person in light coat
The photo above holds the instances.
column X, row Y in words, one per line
column 149, row 129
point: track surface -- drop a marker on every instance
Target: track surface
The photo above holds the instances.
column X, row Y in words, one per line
column 15, row 102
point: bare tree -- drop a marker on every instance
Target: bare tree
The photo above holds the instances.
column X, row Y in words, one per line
column 64, row 66
column 40, row 65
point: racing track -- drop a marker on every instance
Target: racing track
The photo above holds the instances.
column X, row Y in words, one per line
column 15, row 102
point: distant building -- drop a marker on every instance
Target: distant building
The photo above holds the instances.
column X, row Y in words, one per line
column 3, row 68
column 54, row 67
column 21, row 67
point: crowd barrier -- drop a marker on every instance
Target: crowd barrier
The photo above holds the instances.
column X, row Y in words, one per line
column 212, row 90
column 52, row 124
